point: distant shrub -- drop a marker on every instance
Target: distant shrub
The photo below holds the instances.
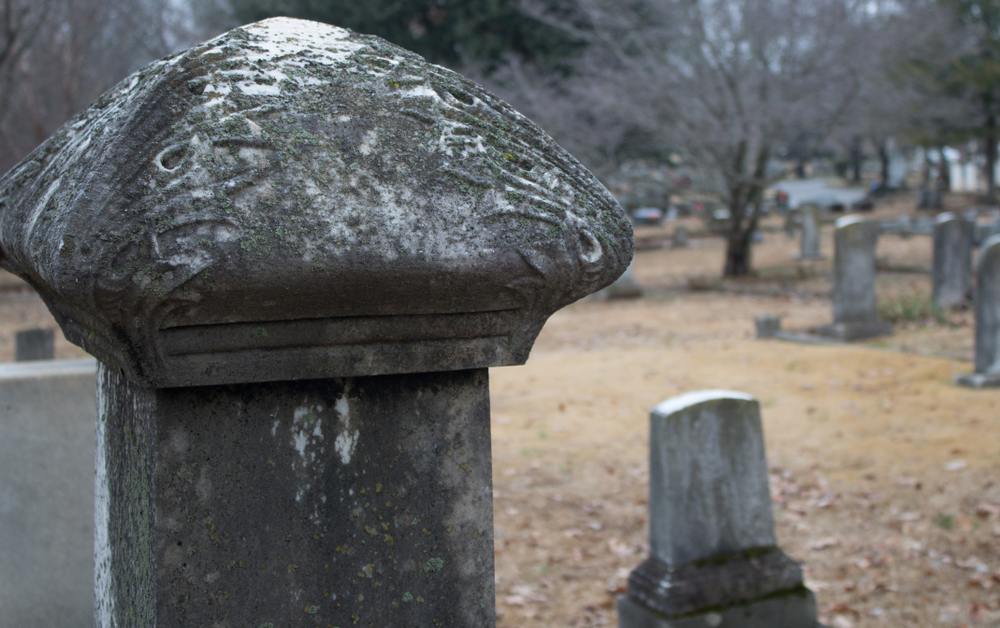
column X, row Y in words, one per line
column 913, row 307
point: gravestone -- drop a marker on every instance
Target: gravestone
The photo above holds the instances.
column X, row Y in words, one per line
column 680, row 236
column 952, row 274
column 714, row 560
column 987, row 306
column 625, row 287
column 791, row 223
column 295, row 250
column 995, row 215
column 34, row 344
column 809, row 217
column 47, row 494
column 855, row 313
column 768, row 325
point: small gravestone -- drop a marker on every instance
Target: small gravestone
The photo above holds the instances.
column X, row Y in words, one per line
column 768, row 325
column 680, row 236
column 952, row 275
column 790, row 223
column 625, row 287
column 714, row 560
column 995, row 215
column 809, row 213
column 855, row 313
column 987, row 305
column 295, row 251
column 34, row 344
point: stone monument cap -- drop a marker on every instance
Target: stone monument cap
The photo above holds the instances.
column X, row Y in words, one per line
column 675, row 404
column 295, row 200
column 845, row 221
column 945, row 217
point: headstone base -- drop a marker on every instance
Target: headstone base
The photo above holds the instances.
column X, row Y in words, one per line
column 810, row 256
column 854, row 331
column 978, row 380
column 792, row 610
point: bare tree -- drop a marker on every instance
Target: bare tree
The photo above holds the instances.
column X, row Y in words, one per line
column 75, row 51
column 729, row 84
column 20, row 22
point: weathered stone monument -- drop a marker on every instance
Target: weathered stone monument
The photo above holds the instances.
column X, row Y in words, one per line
column 714, row 560
column 952, row 274
column 295, row 250
column 625, row 287
column 767, row 325
column 47, row 493
column 809, row 218
column 791, row 223
column 34, row 344
column 855, row 312
column 987, row 305
column 680, row 238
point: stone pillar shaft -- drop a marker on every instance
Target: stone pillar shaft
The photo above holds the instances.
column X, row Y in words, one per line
column 337, row 501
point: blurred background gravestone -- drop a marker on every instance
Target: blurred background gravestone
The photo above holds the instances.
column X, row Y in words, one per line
column 952, row 275
column 987, row 306
column 855, row 313
column 34, row 344
column 809, row 219
column 714, row 559
column 47, row 412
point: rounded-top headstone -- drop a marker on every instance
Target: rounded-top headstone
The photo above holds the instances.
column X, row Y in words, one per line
column 295, row 200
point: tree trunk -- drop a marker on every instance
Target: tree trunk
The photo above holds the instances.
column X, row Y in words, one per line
column 738, row 255
column 857, row 158
column 944, row 172
column 990, row 152
column 745, row 198
column 883, row 157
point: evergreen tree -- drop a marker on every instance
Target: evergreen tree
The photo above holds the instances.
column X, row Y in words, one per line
column 449, row 32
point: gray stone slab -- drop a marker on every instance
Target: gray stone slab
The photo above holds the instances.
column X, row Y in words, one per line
column 809, row 213
column 805, row 338
column 795, row 609
column 34, row 344
column 854, row 331
column 987, row 308
column 952, row 273
column 978, row 380
column 680, row 237
column 708, row 477
column 713, row 555
column 47, row 412
column 625, row 287
column 318, row 502
column 767, row 325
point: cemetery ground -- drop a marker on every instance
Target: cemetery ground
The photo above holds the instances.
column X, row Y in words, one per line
column 884, row 474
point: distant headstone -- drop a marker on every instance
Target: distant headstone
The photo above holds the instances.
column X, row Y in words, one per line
column 952, row 275
column 995, row 215
column 810, row 232
column 767, row 325
column 34, row 344
column 854, row 306
column 757, row 236
column 47, row 414
column 672, row 214
column 791, row 223
column 625, row 287
column 929, row 198
column 680, row 236
column 714, row 559
column 987, row 305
